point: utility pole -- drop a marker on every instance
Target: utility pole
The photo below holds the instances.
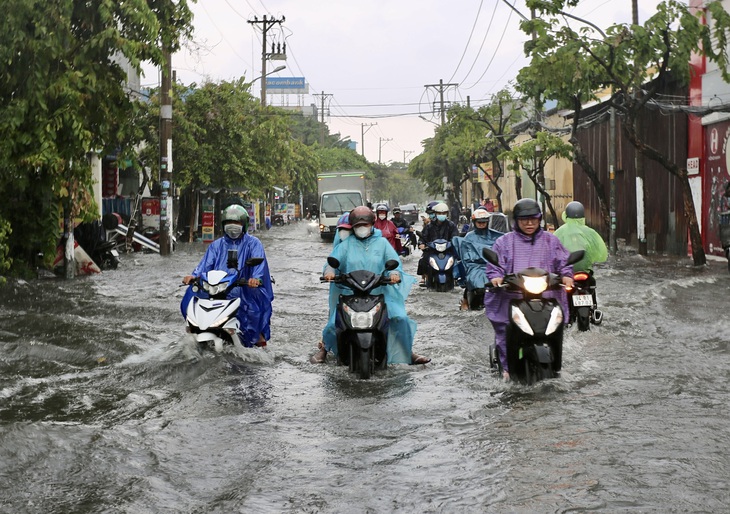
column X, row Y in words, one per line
column 639, row 160
column 612, row 181
column 166, row 154
column 405, row 153
column 324, row 97
column 440, row 88
column 380, row 148
column 363, row 131
column 276, row 53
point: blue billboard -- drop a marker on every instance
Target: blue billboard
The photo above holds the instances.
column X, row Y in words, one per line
column 285, row 83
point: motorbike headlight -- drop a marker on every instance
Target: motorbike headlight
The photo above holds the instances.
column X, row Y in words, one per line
column 441, row 247
column 519, row 319
column 449, row 263
column 535, row 285
column 432, row 263
column 216, row 289
column 362, row 320
column 556, row 319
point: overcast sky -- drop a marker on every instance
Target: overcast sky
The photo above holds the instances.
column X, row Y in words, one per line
column 373, row 58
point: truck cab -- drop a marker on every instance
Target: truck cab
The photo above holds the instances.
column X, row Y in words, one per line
column 332, row 205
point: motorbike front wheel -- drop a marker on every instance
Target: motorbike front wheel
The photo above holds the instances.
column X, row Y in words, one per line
column 366, row 363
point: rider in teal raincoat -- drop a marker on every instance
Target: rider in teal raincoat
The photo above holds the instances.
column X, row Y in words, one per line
column 368, row 250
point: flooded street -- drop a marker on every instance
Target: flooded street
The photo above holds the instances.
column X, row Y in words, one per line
column 106, row 407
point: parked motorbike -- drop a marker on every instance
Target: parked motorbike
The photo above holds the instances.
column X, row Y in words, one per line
column 362, row 320
column 535, row 333
column 92, row 238
column 211, row 317
column 441, row 261
column 582, row 301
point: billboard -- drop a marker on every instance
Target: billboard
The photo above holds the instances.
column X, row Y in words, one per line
column 287, row 85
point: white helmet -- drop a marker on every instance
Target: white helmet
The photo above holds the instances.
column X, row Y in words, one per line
column 480, row 215
column 441, row 208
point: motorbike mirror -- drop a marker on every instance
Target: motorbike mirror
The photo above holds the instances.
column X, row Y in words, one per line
column 254, row 261
column 491, row 256
column 391, row 264
column 232, row 259
column 334, row 263
column 575, row 256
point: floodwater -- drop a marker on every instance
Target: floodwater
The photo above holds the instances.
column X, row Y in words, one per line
column 105, row 407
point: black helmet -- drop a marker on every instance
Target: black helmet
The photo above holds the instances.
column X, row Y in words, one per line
column 396, row 210
column 526, row 208
column 430, row 206
column 361, row 216
column 575, row 210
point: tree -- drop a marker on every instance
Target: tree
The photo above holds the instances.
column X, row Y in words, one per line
column 532, row 156
column 626, row 60
column 62, row 95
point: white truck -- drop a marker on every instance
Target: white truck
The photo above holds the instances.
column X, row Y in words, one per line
column 339, row 192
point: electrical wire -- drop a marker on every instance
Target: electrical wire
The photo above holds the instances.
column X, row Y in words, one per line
column 466, row 47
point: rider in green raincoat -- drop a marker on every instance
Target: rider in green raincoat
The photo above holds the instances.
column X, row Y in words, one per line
column 576, row 235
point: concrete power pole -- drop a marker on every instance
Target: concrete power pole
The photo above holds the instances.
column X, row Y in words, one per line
column 380, row 148
column 266, row 24
column 440, row 88
column 362, row 129
column 324, row 97
column 639, row 163
column 166, row 155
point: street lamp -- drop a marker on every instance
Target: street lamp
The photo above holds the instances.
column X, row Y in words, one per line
column 263, row 83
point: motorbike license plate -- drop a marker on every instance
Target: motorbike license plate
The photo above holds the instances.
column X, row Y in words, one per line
column 115, row 253
column 582, row 300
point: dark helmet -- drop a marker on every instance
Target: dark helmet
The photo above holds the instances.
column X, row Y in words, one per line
column 396, row 210
column 430, row 206
column 381, row 207
column 235, row 213
column 575, row 210
column 526, row 208
column 361, row 216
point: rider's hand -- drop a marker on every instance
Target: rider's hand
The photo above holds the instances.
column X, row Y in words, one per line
column 568, row 281
column 187, row 279
column 329, row 277
column 254, row 282
column 394, row 277
column 497, row 281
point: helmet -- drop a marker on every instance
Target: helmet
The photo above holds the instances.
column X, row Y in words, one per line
column 361, row 216
column 381, row 207
column 575, row 210
column 396, row 210
column 441, row 208
column 480, row 214
column 344, row 221
column 526, row 208
column 429, row 207
column 235, row 213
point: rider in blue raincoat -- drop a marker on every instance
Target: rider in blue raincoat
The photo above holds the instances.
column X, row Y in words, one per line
column 473, row 265
column 368, row 250
column 255, row 312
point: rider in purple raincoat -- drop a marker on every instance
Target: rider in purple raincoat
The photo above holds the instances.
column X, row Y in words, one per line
column 528, row 245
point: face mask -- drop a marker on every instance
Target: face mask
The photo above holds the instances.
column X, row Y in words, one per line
column 382, row 216
column 441, row 217
column 362, row 232
column 233, row 231
column 344, row 234
column 432, row 216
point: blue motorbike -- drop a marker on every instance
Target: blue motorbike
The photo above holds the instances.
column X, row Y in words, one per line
column 442, row 259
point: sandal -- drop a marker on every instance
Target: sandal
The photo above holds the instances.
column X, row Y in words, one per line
column 419, row 359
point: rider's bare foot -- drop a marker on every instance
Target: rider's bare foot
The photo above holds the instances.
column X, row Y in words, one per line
column 321, row 356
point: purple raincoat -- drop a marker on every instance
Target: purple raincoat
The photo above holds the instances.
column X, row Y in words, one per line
column 518, row 251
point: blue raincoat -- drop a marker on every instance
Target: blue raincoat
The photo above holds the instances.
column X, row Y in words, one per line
column 473, row 265
column 329, row 338
column 371, row 254
column 255, row 312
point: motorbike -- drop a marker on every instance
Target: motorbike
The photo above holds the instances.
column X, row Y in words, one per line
column 92, row 238
column 362, row 320
column 407, row 240
column 535, row 332
column 581, row 301
column 210, row 316
column 441, row 261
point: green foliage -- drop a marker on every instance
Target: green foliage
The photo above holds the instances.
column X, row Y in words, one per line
column 62, row 95
column 5, row 259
